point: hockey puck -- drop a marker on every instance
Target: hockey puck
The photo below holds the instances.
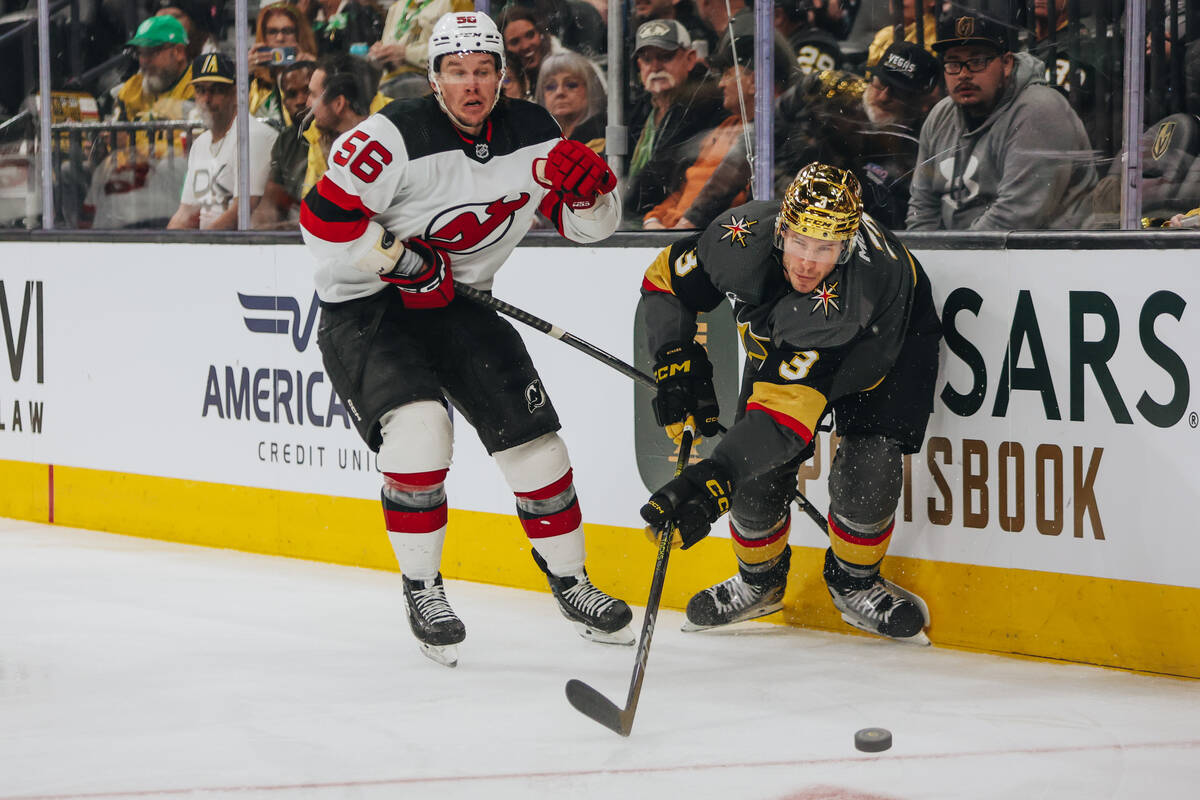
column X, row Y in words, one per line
column 873, row 740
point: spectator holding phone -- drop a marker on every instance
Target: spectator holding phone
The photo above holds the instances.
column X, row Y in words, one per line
column 282, row 36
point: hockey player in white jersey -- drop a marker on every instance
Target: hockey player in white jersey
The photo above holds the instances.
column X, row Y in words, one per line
column 423, row 193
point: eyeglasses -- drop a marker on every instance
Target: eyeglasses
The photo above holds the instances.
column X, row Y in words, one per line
column 973, row 64
column 570, row 85
column 289, row 31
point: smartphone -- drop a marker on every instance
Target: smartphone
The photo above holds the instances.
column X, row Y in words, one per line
column 280, row 55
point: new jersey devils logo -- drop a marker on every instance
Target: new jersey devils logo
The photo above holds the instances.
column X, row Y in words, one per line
column 473, row 226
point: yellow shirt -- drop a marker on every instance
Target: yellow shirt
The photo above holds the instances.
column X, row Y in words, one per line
column 883, row 39
column 135, row 104
column 318, row 156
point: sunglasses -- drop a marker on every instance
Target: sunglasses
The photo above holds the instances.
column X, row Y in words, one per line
column 290, row 31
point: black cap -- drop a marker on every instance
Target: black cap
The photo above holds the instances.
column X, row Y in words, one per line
column 908, row 67
column 213, row 68
column 954, row 31
column 199, row 11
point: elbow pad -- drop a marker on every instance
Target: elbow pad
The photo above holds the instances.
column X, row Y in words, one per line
column 376, row 251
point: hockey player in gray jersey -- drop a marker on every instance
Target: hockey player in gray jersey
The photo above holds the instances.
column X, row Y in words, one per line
column 424, row 193
column 834, row 313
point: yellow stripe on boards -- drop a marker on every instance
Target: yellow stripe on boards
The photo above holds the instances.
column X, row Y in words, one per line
column 1126, row 624
column 25, row 490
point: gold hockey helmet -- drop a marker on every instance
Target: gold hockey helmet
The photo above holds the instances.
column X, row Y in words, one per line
column 823, row 202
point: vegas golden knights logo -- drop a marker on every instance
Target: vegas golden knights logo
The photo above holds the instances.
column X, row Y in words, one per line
column 965, row 27
column 1163, row 140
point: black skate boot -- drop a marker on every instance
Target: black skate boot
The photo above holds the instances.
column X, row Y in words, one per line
column 437, row 628
column 747, row 595
column 596, row 616
column 876, row 605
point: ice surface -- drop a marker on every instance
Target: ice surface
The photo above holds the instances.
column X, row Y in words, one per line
column 132, row 668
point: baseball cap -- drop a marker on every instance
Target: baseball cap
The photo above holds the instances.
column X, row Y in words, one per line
column 907, row 67
column 213, row 68
column 668, row 34
column 154, row 31
column 955, row 31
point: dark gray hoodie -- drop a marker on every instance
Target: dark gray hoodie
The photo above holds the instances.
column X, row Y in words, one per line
column 1027, row 166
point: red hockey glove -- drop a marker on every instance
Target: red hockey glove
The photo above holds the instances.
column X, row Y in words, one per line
column 423, row 276
column 574, row 171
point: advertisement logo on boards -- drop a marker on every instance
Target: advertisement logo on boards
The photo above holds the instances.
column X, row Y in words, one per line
column 299, row 325
column 22, row 316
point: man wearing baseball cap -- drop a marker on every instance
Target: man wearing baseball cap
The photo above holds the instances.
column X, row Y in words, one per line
column 1004, row 151
column 162, row 83
column 681, row 103
column 209, row 199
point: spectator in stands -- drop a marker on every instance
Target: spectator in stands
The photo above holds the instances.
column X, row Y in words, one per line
column 402, row 52
column 343, row 92
column 904, row 86
column 279, row 207
column 346, row 26
column 570, row 90
column 574, row 23
column 835, row 16
column 816, row 48
column 137, row 184
column 719, row 178
column 682, row 10
column 162, row 85
column 669, row 122
column 196, row 18
column 514, row 84
column 209, row 200
column 527, row 42
column 1076, row 78
column 279, row 26
column 1004, row 151
column 886, row 35
column 738, row 35
column 822, row 118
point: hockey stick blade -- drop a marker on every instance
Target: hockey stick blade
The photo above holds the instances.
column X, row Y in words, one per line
column 591, row 703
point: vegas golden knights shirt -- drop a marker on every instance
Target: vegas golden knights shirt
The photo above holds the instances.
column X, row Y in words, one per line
column 408, row 168
column 804, row 351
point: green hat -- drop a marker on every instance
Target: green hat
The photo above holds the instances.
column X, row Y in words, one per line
column 162, row 29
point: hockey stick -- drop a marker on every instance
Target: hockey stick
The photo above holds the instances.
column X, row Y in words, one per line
column 590, row 702
column 629, row 371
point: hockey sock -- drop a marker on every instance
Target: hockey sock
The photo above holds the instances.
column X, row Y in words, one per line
column 763, row 556
column 414, row 512
column 552, row 521
column 859, row 549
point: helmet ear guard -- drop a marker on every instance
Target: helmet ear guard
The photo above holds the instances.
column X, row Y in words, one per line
column 823, row 202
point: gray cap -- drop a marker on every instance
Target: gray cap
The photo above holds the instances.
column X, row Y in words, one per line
column 668, row 34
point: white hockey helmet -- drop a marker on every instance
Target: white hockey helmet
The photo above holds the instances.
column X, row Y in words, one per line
column 464, row 32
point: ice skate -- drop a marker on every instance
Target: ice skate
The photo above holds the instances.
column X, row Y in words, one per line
column 876, row 605
column 596, row 616
column 731, row 601
column 747, row 595
column 437, row 628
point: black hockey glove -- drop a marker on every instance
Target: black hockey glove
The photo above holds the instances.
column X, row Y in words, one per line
column 685, row 388
column 422, row 274
column 690, row 503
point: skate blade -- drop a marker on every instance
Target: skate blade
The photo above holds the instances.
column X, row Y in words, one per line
column 688, row 626
column 623, row 637
column 918, row 639
column 444, row 654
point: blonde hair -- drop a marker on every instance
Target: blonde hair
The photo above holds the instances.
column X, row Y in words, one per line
column 576, row 65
